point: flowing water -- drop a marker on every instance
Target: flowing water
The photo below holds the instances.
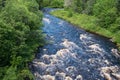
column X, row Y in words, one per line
column 74, row 54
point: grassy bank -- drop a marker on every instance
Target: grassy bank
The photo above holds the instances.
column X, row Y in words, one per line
column 88, row 23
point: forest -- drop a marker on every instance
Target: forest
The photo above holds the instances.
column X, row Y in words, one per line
column 21, row 28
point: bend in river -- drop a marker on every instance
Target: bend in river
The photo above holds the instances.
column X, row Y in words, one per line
column 74, row 54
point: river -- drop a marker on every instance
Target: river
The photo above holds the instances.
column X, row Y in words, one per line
column 74, row 54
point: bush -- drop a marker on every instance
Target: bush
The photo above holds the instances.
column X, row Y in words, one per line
column 70, row 13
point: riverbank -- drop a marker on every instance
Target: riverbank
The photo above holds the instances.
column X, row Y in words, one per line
column 88, row 23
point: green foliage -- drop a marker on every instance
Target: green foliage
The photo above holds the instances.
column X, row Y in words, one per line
column 11, row 74
column 74, row 5
column 101, row 6
column 25, row 74
column 116, row 37
column 2, row 4
column 70, row 13
column 118, row 5
column 77, row 6
column 105, row 19
column 40, row 3
column 82, row 6
column 2, row 71
column 106, row 12
column 89, row 7
column 20, row 36
column 53, row 3
column 115, row 27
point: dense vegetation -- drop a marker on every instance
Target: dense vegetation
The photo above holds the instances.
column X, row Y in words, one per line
column 20, row 36
column 53, row 3
column 99, row 16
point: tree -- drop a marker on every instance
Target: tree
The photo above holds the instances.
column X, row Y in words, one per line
column 20, row 35
column 105, row 11
column 68, row 3
column 40, row 3
column 118, row 6
column 89, row 7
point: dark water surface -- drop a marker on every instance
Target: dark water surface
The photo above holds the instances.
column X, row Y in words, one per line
column 72, row 53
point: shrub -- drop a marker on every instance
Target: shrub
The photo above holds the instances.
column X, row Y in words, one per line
column 70, row 13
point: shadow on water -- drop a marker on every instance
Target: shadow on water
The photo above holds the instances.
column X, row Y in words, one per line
column 73, row 54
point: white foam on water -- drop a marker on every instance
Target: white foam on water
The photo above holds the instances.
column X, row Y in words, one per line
column 79, row 77
column 56, row 66
column 47, row 20
column 68, row 78
column 48, row 77
column 116, row 53
column 95, row 48
column 46, row 58
column 66, row 55
column 83, row 36
column 109, row 73
column 71, row 70
column 107, row 62
column 63, row 54
column 69, row 45
column 51, row 69
column 61, row 23
column 60, row 76
column 85, row 39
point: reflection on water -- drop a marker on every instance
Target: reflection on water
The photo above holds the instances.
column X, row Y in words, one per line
column 74, row 54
